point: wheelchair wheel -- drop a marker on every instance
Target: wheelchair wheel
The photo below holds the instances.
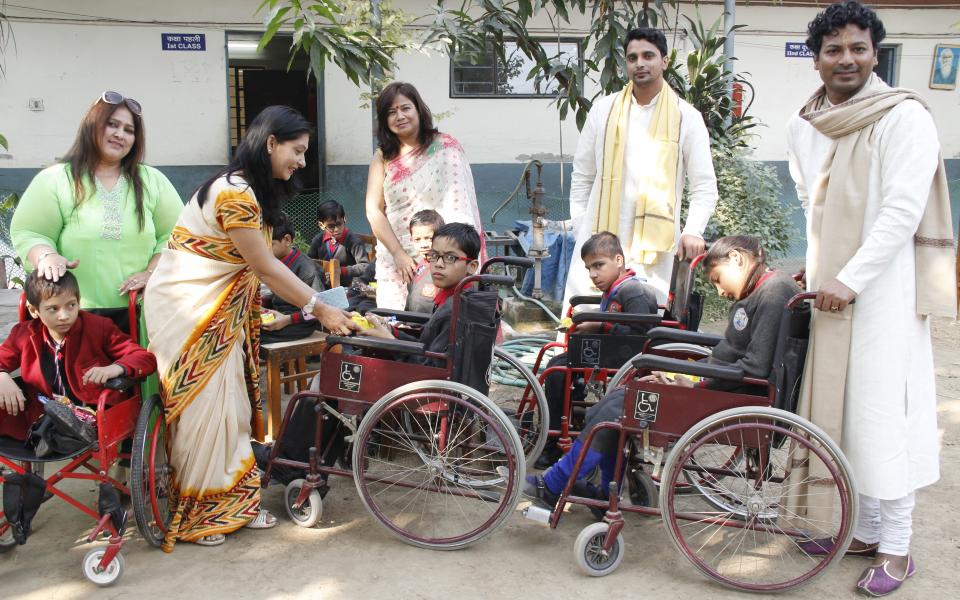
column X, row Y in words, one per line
column 767, row 480
column 588, row 550
column 102, row 577
column 517, row 392
column 307, row 514
column 438, row 464
column 151, row 474
column 6, row 536
column 624, row 373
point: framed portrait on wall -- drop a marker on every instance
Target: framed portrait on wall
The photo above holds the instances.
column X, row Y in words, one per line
column 946, row 63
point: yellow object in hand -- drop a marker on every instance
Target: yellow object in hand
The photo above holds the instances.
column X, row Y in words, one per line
column 361, row 320
column 266, row 318
column 566, row 323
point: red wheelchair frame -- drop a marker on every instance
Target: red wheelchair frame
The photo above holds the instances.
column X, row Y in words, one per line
column 116, row 422
column 384, row 393
column 686, row 419
column 675, row 315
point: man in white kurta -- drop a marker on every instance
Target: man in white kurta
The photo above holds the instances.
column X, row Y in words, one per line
column 889, row 423
column 695, row 164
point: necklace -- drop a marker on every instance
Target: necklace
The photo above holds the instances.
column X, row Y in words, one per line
column 112, row 205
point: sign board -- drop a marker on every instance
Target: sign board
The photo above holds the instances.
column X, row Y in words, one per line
column 797, row 50
column 184, row 41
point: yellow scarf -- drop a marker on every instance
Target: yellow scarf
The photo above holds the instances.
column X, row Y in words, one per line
column 656, row 202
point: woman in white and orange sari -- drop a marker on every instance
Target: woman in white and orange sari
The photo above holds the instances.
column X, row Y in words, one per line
column 414, row 168
column 202, row 308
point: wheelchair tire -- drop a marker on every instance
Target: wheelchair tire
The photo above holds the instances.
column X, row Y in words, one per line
column 624, row 373
column 588, row 550
column 310, row 512
column 439, row 437
column 532, row 421
column 150, row 483
column 7, row 542
column 765, row 508
column 102, row 577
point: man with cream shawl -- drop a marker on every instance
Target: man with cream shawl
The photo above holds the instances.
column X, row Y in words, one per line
column 866, row 161
column 628, row 172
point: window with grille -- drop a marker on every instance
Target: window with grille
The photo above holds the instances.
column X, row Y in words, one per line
column 484, row 75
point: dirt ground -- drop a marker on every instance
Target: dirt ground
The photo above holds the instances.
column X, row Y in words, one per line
column 350, row 556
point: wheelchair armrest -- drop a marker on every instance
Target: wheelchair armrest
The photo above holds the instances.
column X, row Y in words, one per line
column 402, row 315
column 120, row 384
column 401, row 346
column 651, row 362
column 576, row 300
column 620, row 318
column 669, row 334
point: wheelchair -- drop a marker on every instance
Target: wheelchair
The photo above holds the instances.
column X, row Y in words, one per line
column 743, row 478
column 602, row 362
column 513, row 386
column 129, row 428
column 434, row 460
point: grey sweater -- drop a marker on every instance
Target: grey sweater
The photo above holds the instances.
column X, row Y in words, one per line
column 751, row 336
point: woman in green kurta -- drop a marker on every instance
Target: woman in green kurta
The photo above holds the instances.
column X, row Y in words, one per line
column 101, row 212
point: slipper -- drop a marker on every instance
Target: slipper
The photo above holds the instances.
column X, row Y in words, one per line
column 211, row 540
column 824, row 546
column 263, row 520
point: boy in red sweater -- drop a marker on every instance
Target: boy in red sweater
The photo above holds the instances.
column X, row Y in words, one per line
column 62, row 350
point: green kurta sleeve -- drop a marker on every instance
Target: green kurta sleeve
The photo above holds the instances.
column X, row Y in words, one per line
column 38, row 219
column 167, row 209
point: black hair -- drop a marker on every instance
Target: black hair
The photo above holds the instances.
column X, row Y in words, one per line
column 603, row 243
column 38, row 288
column 331, row 209
column 253, row 161
column 749, row 245
column 426, row 217
column 283, row 227
column 463, row 235
column 839, row 15
column 387, row 141
column 654, row 36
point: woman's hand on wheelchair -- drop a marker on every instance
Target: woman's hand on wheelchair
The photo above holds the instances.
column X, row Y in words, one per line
column 100, row 375
column 11, row 396
column 337, row 321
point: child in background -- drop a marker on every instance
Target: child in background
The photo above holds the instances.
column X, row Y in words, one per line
column 285, row 321
column 336, row 242
column 423, row 226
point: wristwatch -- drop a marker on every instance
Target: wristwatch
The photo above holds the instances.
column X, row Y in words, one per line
column 308, row 307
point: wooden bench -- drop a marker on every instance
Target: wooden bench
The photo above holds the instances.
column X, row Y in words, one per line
column 290, row 353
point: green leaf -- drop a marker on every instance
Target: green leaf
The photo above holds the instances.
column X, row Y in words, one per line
column 275, row 23
column 3, row 143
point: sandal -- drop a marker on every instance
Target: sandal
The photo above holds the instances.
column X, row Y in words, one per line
column 211, row 540
column 263, row 520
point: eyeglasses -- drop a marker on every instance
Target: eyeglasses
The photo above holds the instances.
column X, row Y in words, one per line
column 116, row 98
column 334, row 225
column 448, row 258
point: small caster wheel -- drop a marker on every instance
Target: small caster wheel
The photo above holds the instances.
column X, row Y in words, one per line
column 310, row 512
column 588, row 550
column 102, row 577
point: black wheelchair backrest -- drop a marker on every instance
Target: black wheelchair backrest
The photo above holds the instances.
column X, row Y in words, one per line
column 790, row 355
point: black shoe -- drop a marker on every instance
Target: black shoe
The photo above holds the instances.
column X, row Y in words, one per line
column 536, row 489
column 550, row 455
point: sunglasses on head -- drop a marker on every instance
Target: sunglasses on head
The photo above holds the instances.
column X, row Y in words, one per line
column 117, row 98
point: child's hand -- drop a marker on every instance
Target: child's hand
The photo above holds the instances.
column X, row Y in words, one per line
column 380, row 328
column 100, row 375
column 657, row 377
column 11, row 397
column 591, row 327
column 279, row 321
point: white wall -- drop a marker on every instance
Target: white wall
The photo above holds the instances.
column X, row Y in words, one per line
column 184, row 93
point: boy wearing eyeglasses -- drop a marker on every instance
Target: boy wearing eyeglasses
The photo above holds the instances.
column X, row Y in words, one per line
column 336, row 242
column 454, row 255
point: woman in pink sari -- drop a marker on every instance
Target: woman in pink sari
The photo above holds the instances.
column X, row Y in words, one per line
column 414, row 168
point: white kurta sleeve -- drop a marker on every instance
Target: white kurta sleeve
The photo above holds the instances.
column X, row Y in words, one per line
column 796, row 172
column 698, row 168
column 584, row 166
column 909, row 155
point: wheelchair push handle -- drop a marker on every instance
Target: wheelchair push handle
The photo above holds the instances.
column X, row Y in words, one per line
column 515, row 261
column 503, row 280
column 804, row 296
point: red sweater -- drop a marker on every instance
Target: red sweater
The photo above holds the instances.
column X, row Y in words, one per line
column 93, row 341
